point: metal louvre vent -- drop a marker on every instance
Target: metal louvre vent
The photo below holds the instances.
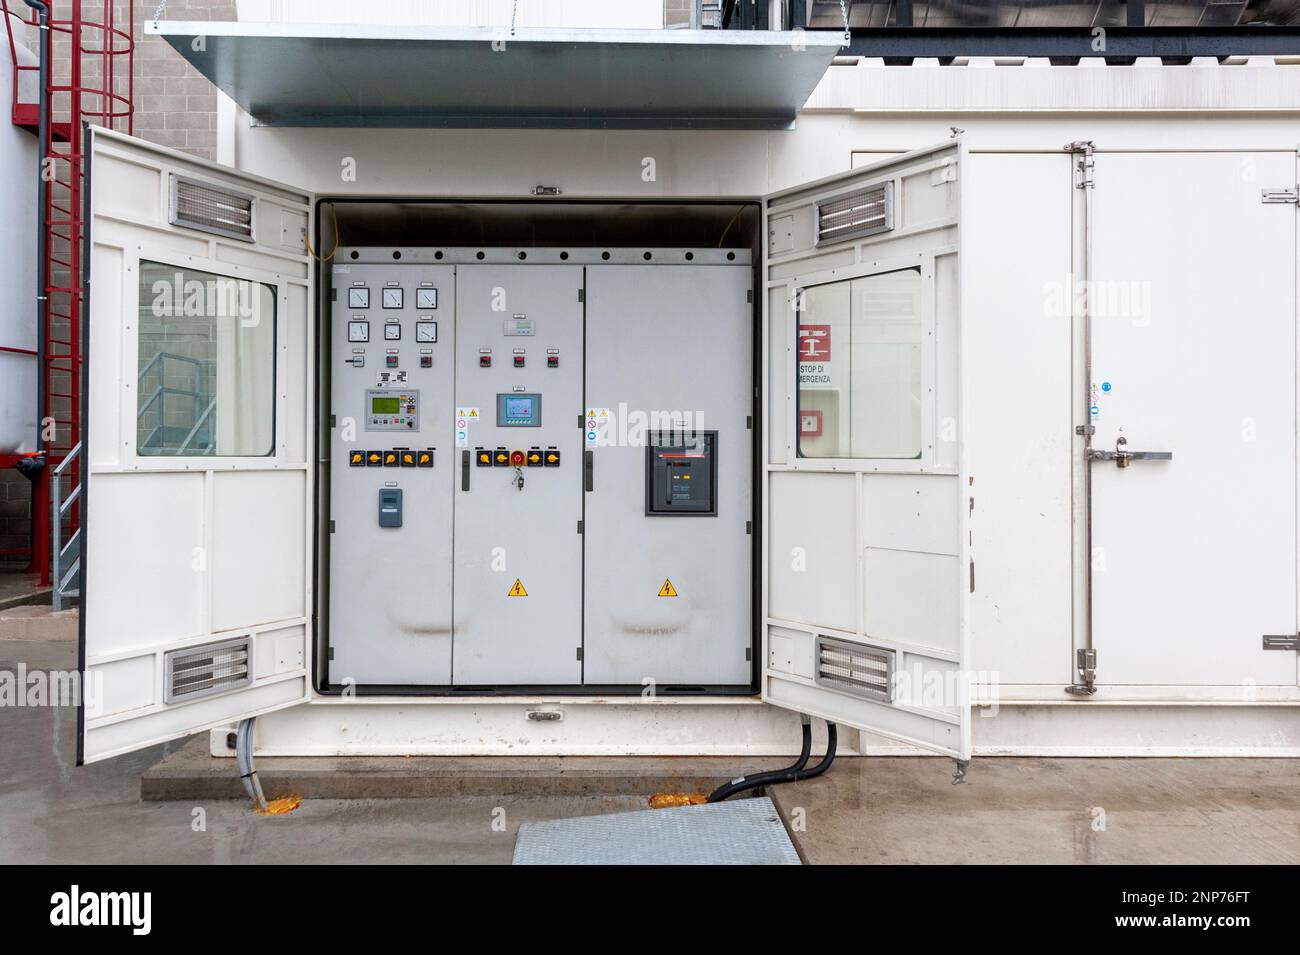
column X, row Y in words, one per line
column 202, row 671
column 208, row 208
column 852, row 668
column 855, row 214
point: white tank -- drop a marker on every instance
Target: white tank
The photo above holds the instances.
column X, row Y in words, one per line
column 18, row 157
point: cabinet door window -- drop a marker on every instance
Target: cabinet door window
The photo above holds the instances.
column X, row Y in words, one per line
column 206, row 370
column 860, row 367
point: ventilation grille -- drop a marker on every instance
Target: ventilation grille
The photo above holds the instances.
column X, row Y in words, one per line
column 852, row 668
column 211, row 668
column 855, row 214
column 198, row 205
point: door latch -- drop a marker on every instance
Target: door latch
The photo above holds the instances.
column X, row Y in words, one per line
column 1282, row 641
column 1123, row 457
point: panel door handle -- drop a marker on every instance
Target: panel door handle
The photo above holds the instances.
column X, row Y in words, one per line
column 464, row 470
column 588, row 470
column 1122, row 456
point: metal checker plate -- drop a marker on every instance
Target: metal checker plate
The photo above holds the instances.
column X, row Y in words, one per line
column 739, row 832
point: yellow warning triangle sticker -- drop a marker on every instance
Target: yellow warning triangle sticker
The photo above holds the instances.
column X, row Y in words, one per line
column 667, row 590
column 517, row 590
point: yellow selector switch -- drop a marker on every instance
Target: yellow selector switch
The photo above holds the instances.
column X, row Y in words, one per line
column 534, row 457
column 357, row 459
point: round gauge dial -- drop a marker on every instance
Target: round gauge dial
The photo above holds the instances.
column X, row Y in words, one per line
column 358, row 331
column 426, row 331
column 392, row 298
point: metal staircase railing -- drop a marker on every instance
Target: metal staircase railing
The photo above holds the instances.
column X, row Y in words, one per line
column 199, row 437
column 65, row 556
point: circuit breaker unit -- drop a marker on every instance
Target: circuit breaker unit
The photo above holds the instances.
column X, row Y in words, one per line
column 560, row 451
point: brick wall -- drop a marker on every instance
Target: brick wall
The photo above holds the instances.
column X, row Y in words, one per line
column 174, row 105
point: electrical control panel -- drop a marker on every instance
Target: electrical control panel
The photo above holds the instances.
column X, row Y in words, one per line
column 490, row 523
column 390, row 493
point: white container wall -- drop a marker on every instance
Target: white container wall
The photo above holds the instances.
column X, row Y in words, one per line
column 1191, row 329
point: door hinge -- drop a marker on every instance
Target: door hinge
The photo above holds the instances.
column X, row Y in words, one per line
column 579, row 653
column 331, row 653
column 1282, row 641
column 582, row 295
column 749, row 297
column 581, row 421
column 1085, row 661
column 749, row 527
column 334, row 295
column 333, row 422
column 749, row 422
column 1084, row 430
column 331, row 527
column 749, row 654
column 579, row 527
column 1279, row 195
column 1085, row 168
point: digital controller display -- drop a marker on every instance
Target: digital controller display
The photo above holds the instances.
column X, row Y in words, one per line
column 519, row 411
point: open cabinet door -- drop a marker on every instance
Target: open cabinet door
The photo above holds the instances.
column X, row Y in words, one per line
column 197, row 487
column 867, row 569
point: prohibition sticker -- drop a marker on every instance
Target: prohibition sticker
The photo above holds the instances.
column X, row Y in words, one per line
column 667, row 590
column 517, row 590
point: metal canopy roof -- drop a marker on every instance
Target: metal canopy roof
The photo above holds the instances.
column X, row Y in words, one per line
column 371, row 75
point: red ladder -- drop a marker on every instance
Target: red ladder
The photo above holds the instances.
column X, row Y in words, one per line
column 90, row 81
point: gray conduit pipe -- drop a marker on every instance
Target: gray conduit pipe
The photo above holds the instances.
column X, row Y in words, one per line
column 244, row 760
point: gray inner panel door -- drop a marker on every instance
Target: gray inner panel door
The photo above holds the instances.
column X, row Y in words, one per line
column 518, row 576
column 390, row 586
column 668, row 596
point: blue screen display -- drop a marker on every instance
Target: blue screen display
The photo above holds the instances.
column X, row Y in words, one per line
column 519, row 411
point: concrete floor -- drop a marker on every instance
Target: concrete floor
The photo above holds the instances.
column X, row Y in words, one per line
column 864, row 810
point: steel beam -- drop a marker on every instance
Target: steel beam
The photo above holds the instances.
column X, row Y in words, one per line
column 1119, row 42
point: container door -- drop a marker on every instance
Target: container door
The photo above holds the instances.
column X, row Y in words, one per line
column 197, row 514
column 867, row 501
column 1193, row 335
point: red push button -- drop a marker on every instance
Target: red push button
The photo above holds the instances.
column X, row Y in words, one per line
column 517, row 459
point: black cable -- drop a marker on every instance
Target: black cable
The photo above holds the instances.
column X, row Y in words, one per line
column 791, row 774
column 743, row 783
column 826, row 760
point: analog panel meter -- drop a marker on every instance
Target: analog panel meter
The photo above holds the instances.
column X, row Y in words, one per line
column 392, row 298
column 358, row 331
column 426, row 298
column 358, row 297
column 426, row 331
column 392, row 332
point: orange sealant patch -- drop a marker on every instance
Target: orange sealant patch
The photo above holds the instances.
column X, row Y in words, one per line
column 669, row 800
column 280, row 807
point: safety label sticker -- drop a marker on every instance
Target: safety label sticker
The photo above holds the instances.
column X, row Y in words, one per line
column 464, row 418
column 667, row 590
column 518, row 589
column 595, row 425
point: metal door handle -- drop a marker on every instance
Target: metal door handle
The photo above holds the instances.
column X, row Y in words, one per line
column 1122, row 456
column 588, row 470
column 464, row 470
